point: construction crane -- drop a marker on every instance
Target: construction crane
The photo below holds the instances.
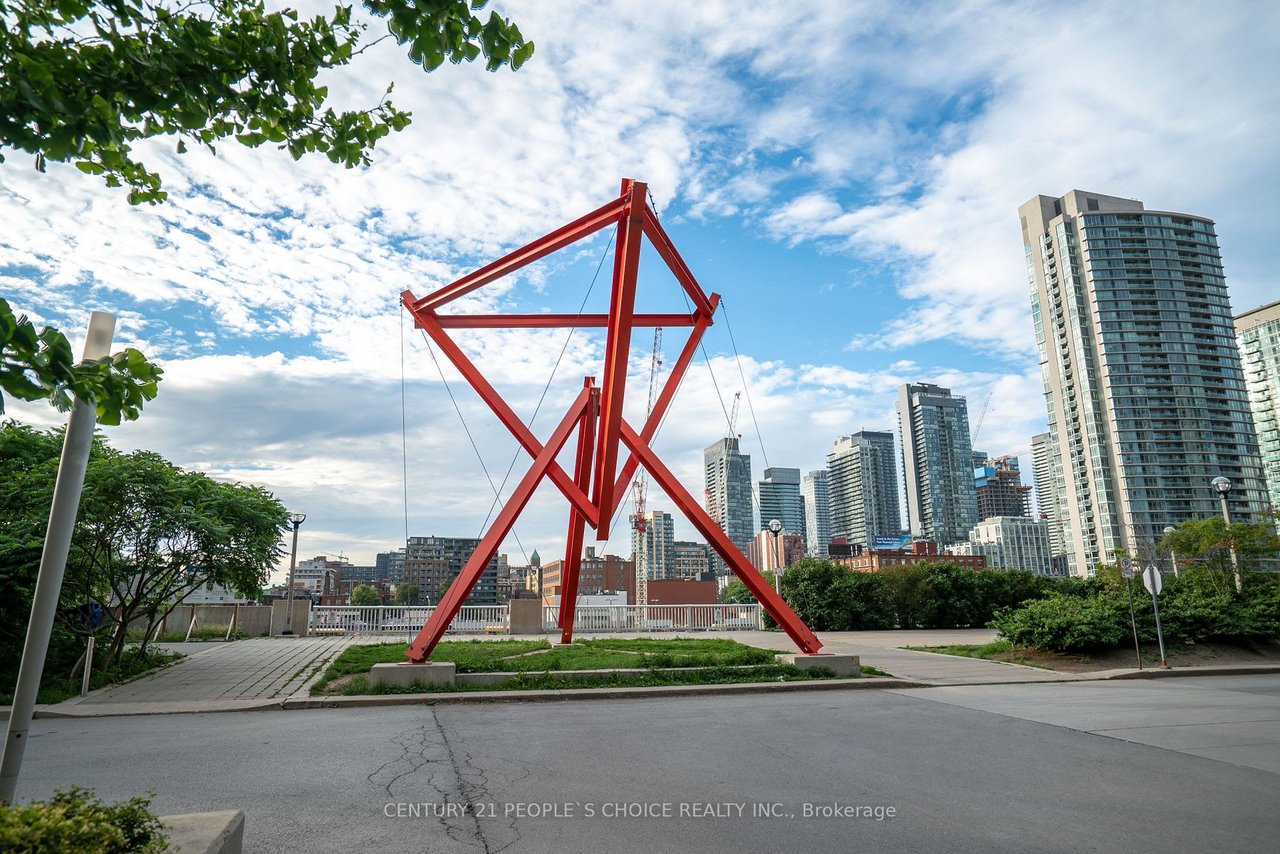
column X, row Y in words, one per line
column 733, row 415
column 973, row 440
column 640, row 486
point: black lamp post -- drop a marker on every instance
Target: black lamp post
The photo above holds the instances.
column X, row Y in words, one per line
column 1222, row 486
column 295, row 519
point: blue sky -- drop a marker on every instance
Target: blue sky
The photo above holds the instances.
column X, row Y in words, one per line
column 845, row 174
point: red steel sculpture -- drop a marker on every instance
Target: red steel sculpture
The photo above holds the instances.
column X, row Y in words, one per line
column 597, row 485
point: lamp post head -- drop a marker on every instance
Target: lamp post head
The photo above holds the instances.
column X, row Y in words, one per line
column 297, row 518
column 1221, row 484
column 1168, row 529
column 775, row 526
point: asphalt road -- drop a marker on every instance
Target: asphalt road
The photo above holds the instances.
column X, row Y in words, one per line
column 933, row 771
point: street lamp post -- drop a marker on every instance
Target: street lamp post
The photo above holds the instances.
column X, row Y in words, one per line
column 775, row 526
column 1173, row 556
column 1222, row 486
column 295, row 519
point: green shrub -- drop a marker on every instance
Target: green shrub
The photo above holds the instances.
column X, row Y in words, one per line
column 830, row 598
column 1066, row 623
column 75, row 820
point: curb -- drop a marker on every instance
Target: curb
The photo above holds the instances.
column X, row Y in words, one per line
column 1163, row 673
column 359, row 701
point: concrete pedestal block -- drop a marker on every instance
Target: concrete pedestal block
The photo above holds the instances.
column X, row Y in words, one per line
column 526, row 617
column 205, row 832
column 841, row 665
column 409, row 675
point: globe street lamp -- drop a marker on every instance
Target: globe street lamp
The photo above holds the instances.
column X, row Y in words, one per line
column 776, row 527
column 295, row 519
column 1173, row 556
column 1222, row 486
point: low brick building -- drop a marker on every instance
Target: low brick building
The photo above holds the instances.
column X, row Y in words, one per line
column 920, row 552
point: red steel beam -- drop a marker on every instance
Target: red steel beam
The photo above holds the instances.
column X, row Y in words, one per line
column 613, row 382
column 661, row 242
column 427, row 321
column 664, row 399
column 543, row 246
column 460, row 589
column 805, row 639
column 555, row 321
column 573, row 541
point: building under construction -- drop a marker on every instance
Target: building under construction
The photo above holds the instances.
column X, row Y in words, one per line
column 998, row 484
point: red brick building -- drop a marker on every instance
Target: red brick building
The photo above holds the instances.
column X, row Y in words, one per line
column 875, row 560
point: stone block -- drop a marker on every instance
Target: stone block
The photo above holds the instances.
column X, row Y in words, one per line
column 205, row 832
column 410, row 675
column 526, row 617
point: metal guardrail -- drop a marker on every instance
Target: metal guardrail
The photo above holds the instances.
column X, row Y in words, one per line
column 405, row 619
column 659, row 618
column 408, row 620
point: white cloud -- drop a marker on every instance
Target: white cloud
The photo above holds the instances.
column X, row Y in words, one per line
column 903, row 140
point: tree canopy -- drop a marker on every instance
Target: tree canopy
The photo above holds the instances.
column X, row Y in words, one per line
column 40, row 366
column 147, row 534
column 87, row 79
column 365, row 594
column 1208, row 542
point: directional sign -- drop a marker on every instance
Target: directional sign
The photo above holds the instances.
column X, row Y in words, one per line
column 1151, row 580
column 1126, row 567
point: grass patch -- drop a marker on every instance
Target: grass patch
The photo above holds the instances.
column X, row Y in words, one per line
column 54, row 688
column 470, row 656
column 1000, row 650
column 868, row 670
column 717, row 660
column 359, row 685
column 609, row 653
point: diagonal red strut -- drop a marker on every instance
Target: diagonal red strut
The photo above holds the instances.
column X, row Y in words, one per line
column 598, row 485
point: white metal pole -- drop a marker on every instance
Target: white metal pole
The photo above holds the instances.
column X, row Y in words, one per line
column 53, row 561
column 88, row 668
column 1235, row 561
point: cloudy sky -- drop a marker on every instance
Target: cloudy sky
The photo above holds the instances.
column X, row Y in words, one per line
column 845, row 174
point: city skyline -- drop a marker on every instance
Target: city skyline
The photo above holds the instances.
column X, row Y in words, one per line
column 877, row 214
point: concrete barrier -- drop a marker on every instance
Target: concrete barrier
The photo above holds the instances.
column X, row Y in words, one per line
column 526, row 617
column 205, row 832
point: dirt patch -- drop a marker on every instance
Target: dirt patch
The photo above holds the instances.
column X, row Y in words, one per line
column 335, row 686
column 1179, row 655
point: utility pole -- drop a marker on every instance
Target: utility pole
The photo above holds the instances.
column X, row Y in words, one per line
column 53, row 560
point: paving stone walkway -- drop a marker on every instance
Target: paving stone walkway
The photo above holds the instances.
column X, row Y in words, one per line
column 257, row 669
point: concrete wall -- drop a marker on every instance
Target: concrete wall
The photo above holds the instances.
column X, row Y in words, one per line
column 252, row 620
column 301, row 614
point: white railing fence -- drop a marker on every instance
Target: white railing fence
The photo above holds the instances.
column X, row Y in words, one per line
column 659, row 618
column 405, row 619
column 496, row 619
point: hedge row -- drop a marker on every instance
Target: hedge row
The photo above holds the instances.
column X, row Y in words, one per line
column 1195, row 606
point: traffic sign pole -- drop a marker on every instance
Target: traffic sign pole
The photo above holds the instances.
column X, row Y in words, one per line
column 1152, row 581
column 1126, row 569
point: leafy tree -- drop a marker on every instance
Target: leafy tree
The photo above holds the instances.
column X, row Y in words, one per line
column 40, row 366
column 86, row 79
column 737, row 593
column 909, row 593
column 28, row 465
column 149, row 533
column 828, row 597
column 1208, row 542
column 407, row 594
column 365, row 594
